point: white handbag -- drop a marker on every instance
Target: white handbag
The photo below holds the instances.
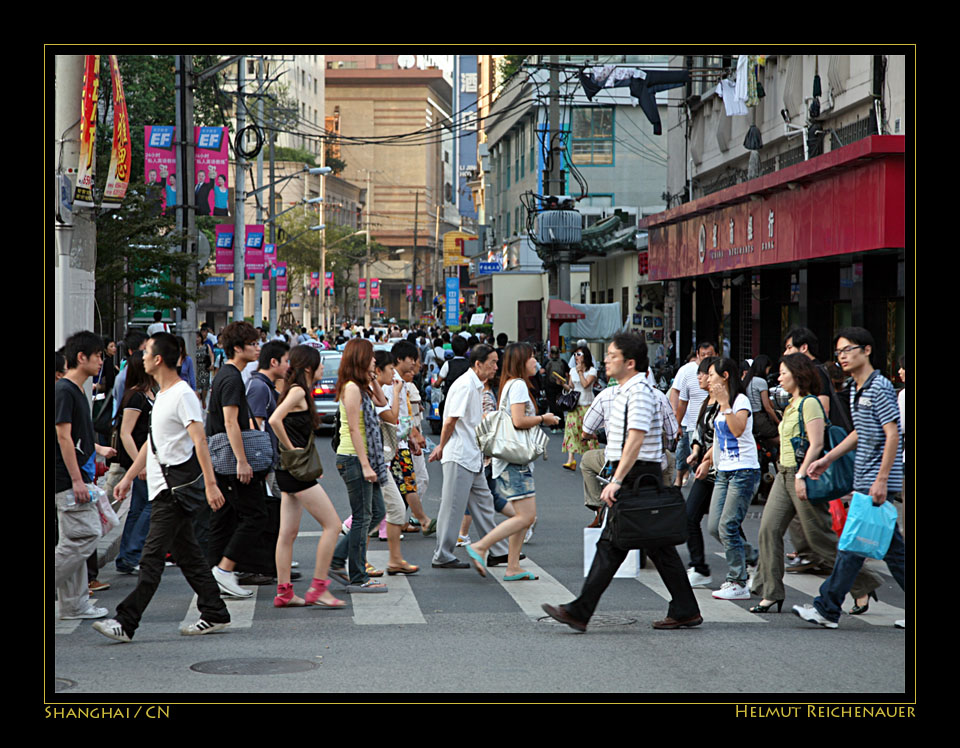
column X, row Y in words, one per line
column 498, row 437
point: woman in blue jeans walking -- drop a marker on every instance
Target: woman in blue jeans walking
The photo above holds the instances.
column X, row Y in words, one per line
column 734, row 452
column 133, row 423
column 360, row 463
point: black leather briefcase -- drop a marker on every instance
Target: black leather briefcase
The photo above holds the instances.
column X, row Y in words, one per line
column 647, row 515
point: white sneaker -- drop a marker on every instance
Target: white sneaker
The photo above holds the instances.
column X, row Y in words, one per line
column 526, row 538
column 697, row 579
column 112, row 629
column 90, row 612
column 901, row 624
column 463, row 540
column 732, row 591
column 809, row 613
column 202, row 627
column 228, row 583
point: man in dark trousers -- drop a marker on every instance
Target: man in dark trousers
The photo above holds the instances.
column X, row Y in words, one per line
column 176, row 432
column 236, row 532
column 555, row 367
column 634, row 448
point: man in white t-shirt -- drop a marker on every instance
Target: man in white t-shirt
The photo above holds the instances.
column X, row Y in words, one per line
column 176, row 433
column 464, row 483
column 157, row 325
column 686, row 397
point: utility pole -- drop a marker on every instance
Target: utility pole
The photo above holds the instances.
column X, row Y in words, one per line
column 366, row 261
column 413, row 291
column 186, row 211
column 323, row 241
column 437, row 267
column 273, row 236
column 258, row 277
column 556, row 162
column 239, row 231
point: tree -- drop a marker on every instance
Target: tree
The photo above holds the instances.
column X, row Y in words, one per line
column 136, row 246
column 510, row 64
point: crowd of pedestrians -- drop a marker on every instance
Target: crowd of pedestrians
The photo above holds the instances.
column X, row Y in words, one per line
column 212, row 493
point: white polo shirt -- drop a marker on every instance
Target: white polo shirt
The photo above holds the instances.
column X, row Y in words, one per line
column 465, row 403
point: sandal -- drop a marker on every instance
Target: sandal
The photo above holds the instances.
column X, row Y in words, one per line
column 372, row 571
column 526, row 575
column 570, row 465
column 411, row 528
column 405, row 569
column 317, row 588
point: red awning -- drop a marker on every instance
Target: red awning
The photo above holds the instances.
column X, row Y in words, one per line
column 561, row 310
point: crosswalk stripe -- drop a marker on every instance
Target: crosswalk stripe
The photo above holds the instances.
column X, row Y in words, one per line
column 712, row 609
column 529, row 595
column 68, row 627
column 880, row 613
column 398, row 606
column 241, row 611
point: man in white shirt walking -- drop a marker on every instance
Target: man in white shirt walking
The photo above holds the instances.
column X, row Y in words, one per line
column 686, row 397
column 176, row 434
column 464, row 484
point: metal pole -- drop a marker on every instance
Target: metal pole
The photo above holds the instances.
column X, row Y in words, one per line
column 366, row 262
column 186, row 212
column 273, row 239
column 413, row 291
column 556, row 161
column 239, row 232
column 258, row 277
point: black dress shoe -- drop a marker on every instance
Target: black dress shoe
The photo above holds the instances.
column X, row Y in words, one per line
column 559, row 613
column 455, row 564
column 497, row 560
column 672, row 623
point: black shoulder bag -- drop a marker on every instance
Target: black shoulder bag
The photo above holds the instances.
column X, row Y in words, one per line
column 184, row 481
column 647, row 514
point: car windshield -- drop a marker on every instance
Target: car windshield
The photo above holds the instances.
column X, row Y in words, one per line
column 330, row 366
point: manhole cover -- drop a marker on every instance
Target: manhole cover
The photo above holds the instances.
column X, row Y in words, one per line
column 62, row 684
column 253, row 666
column 597, row 621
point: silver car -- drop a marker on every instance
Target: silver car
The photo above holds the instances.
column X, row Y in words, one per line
column 324, row 391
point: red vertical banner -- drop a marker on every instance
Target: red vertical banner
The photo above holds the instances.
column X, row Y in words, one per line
column 328, row 284
column 83, row 194
column 363, row 289
column 121, row 155
column 374, row 288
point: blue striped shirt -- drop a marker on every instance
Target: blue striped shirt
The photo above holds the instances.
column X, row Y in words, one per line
column 872, row 406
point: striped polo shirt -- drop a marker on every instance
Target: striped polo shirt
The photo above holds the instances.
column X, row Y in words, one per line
column 872, row 406
column 635, row 403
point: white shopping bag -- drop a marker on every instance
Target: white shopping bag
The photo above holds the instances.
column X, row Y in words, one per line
column 630, row 567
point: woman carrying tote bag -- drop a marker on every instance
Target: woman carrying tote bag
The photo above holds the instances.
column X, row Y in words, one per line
column 294, row 422
column 514, row 482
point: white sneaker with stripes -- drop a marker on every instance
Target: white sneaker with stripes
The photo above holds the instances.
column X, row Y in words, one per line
column 203, row 627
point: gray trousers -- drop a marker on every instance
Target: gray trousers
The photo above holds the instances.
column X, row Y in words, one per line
column 79, row 528
column 781, row 507
column 463, row 489
column 591, row 464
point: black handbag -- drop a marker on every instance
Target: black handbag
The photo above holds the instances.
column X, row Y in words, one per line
column 648, row 515
column 568, row 400
column 184, row 481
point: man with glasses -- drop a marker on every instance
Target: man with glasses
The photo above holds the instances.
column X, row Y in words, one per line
column 878, row 469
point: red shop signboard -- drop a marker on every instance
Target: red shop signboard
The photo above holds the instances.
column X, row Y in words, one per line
column 850, row 200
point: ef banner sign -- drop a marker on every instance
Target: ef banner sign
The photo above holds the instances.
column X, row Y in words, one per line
column 453, row 302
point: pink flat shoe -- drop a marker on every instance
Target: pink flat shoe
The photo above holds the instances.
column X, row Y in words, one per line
column 285, row 597
column 317, row 588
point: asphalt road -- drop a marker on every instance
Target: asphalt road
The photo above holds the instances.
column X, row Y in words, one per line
column 452, row 632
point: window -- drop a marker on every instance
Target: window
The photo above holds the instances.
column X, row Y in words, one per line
column 592, row 136
column 506, row 162
column 506, row 230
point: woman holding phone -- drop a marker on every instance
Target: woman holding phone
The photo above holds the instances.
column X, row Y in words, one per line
column 581, row 379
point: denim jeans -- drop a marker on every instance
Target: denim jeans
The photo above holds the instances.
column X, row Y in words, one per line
column 135, row 528
column 732, row 493
column 366, row 505
column 845, row 570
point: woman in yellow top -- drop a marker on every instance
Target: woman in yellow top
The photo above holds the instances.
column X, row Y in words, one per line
column 788, row 497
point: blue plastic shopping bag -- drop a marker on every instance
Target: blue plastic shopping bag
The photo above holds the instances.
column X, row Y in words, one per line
column 869, row 528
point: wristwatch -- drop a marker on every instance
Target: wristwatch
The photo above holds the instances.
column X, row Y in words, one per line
column 615, row 480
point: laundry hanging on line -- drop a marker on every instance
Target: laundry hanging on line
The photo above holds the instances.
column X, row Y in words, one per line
column 643, row 85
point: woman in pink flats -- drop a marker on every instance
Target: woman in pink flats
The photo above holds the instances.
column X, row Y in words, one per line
column 292, row 422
